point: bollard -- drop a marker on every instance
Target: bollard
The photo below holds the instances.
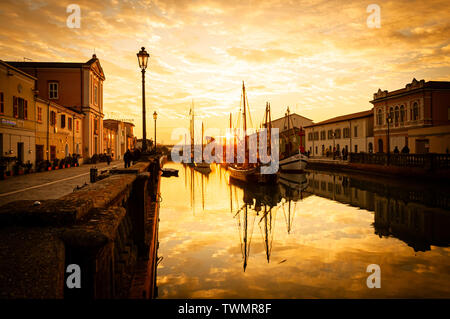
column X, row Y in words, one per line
column 93, row 175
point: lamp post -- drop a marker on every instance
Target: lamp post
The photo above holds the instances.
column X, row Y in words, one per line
column 389, row 121
column 155, row 116
column 143, row 57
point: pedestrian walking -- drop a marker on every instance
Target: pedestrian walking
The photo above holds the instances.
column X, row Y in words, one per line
column 127, row 158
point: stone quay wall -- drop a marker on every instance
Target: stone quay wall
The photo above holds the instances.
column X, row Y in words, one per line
column 109, row 229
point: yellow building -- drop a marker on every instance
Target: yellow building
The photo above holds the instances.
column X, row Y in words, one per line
column 17, row 116
column 59, row 131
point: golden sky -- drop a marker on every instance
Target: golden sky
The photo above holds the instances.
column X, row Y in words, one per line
column 318, row 57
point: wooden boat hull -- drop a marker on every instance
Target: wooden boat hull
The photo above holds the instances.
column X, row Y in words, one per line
column 251, row 175
column 294, row 163
column 202, row 167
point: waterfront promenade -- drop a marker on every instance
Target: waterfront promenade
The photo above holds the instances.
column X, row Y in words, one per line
column 108, row 229
column 48, row 185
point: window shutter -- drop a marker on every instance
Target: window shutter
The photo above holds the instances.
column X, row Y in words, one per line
column 25, row 109
column 15, row 110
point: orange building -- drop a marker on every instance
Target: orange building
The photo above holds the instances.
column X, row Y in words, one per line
column 73, row 85
column 419, row 117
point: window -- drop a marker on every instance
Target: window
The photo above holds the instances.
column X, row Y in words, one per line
column 415, row 112
column 316, row 136
column 96, row 94
column 69, row 123
column 63, row 120
column 380, row 117
column 310, row 136
column 52, row 118
column 356, row 131
column 2, row 103
column 20, row 108
column 39, row 114
column 77, row 125
column 346, row 132
column 95, row 127
column 330, row 134
column 322, row 135
column 397, row 115
column 391, row 114
column 356, row 148
column 53, row 90
column 402, row 114
column 337, row 133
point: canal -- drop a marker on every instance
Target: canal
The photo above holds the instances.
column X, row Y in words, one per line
column 311, row 236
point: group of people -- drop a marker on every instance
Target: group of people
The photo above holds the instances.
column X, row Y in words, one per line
column 405, row 150
column 129, row 157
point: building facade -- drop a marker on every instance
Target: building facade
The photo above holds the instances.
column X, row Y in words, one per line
column 17, row 116
column 59, row 131
column 131, row 139
column 119, row 145
column 354, row 132
column 419, row 117
column 77, row 86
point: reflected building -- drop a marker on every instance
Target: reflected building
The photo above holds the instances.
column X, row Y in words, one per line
column 419, row 218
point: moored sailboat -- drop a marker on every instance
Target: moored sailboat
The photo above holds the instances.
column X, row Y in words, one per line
column 292, row 160
column 248, row 172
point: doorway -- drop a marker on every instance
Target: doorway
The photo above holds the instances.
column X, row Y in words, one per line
column 20, row 153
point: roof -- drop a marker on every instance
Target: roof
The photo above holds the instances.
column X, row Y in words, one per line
column 51, row 65
column 414, row 86
column 10, row 66
column 281, row 118
column 344, row 118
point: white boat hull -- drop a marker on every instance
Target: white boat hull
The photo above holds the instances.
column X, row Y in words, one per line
column 295, row 162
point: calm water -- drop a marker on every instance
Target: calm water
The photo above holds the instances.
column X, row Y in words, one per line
column 310, row 236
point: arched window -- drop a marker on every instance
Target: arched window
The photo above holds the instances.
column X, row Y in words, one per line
column 397, row 115
column 402, row 114
column 380, row 117
column 391, row 113
column 415, row 111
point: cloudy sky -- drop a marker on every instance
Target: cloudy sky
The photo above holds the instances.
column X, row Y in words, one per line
column 318, row 57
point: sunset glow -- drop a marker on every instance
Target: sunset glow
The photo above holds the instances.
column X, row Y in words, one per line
column 318, row 57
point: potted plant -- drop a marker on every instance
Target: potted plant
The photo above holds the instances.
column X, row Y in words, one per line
column 55, row 164
column 62, row 163
column 28, row 167
column 18, row 168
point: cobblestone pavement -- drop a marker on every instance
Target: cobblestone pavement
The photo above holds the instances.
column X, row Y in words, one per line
column 48, row 185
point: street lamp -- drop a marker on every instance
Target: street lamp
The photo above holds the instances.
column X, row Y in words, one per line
column 389, row 121
column 155, row 116
column 143, row 57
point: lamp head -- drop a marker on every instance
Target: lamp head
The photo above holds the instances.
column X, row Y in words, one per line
column 143, row 57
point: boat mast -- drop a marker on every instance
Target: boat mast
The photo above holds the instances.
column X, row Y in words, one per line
column 245, row 123
column 202, row 141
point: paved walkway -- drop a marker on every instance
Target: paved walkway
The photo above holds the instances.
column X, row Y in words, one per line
column 48, row 185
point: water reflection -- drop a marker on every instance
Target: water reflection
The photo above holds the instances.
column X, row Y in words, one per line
column 415, row 214
column 309, row 236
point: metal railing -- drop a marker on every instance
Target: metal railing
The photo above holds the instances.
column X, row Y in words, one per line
column 430, row 161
